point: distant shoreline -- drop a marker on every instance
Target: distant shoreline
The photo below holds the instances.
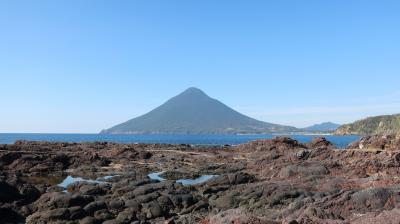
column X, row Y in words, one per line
column 221, row 139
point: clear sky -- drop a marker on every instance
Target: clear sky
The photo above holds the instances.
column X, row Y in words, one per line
column 82, row 66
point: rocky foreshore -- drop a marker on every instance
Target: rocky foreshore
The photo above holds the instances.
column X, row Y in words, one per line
column 265, row 181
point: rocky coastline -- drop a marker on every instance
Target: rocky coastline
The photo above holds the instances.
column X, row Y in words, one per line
column 265, row 181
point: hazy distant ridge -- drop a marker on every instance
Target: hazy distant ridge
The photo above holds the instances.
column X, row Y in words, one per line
column 193, row 112
column 323, row 127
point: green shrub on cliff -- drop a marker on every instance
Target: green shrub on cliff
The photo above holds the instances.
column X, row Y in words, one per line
column 372, row 125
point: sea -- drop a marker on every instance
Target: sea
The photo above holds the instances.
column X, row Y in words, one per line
column 9, row 138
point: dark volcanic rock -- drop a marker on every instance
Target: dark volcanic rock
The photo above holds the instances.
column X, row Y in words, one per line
column 372, row 199
column 8, row 215
column 297, row 170
column 8, row 158
column 302, row 154
column 320, row 143
column 29, row 192
column 55, row 200
column 277, row 143
column 145, row 155
column 231, row 179
column 267, row 181
column 8, row 193
column 382, row 142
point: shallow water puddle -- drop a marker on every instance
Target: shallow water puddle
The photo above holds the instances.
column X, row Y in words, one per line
column 70, row 180
column 156, row 176
column 198, row 180
column 185, row 182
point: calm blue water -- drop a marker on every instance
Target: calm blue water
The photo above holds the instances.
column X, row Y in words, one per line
column 70, row 180
column 199, row 180
column 154, row 176
column 184, row 182
column 339, row 141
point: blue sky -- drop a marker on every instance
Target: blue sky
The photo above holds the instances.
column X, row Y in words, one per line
column 82, row 66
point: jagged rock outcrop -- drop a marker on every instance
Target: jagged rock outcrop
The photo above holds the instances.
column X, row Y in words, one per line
column 377, row 142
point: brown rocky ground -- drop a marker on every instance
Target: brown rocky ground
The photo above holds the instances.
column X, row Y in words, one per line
column 265, row 181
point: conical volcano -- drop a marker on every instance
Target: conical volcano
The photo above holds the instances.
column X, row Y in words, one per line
column 194, row 112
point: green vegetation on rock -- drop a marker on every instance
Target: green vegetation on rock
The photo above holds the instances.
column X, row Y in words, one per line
column 372, row 125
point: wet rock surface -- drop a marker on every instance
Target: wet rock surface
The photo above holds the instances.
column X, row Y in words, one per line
column 265, row 181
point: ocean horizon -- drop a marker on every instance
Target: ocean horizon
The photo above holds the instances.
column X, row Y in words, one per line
column 340, row 141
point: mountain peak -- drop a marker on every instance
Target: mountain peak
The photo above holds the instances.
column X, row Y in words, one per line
column 194, row 112
column 193, row 91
